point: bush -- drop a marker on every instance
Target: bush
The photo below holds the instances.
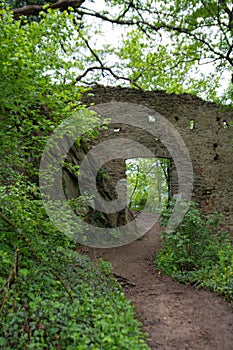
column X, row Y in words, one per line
column 80, row 307
column 197, row 252
column 37, row 312
column 51, row 297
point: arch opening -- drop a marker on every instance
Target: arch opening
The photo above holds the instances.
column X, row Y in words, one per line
column 148, row 184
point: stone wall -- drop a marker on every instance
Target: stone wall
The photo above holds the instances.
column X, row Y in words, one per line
column 205, row 130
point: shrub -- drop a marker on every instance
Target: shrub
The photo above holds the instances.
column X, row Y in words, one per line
column 197, row 252
column 51, row 297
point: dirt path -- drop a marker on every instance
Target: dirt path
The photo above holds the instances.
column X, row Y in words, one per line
column 174, row 315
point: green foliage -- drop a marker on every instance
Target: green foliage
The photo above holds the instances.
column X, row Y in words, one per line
column 37, row 313
column 169, row 43
column 178, row 46
column 198, row 253
column 159, row 65
column 147, row 183
column 51, row 297
column 35, row 90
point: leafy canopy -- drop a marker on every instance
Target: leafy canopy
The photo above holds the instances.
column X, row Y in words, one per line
column 179, row 46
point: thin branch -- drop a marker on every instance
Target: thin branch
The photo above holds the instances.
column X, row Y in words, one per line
column 132, row 81
column 130, row 5
column 93, row 52
column 62, row 46
column 107, row 69
column 220, row 24
column 87, row 12
column 157, row 28
column 230, row 15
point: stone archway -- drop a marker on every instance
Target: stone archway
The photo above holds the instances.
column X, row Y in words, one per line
column 205, row 130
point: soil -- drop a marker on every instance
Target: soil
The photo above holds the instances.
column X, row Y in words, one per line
column 175, row 316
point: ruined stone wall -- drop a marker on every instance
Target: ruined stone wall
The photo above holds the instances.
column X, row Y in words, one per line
column 205, row 130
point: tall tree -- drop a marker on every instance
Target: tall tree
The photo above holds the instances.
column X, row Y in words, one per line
column 38, row 91
column 166, row 43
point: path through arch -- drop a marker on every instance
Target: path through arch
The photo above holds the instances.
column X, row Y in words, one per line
column 175, row 316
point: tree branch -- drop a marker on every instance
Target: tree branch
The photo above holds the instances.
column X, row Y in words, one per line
column 34, row 10
column 130, row 5
column 93, row 52
column 146, row 26
column 92, row 13
column 107, row 69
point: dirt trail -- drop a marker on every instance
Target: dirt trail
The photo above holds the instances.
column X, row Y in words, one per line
column 175, row 316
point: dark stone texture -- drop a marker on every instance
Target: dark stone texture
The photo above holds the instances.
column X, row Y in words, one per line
column 209, row 141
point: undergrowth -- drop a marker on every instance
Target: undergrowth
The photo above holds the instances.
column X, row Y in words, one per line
column 51, row 297
column 198, row 252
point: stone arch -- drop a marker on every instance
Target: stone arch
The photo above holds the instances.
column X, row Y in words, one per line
column 206, row 131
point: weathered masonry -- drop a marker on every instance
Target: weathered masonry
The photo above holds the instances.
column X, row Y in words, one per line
column 205, row 130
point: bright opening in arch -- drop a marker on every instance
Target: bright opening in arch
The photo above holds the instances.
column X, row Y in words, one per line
column 148, row 183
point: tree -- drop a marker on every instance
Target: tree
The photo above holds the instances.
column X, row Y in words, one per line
column 165, row 42
column 148, row 183
column 41, row 273
column 34, row 99
column 38, row 92
column 196, row 33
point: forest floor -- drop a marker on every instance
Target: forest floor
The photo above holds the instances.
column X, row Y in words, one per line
column 175, row 316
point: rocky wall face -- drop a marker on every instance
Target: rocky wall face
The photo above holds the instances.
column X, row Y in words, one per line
column 205, row 130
